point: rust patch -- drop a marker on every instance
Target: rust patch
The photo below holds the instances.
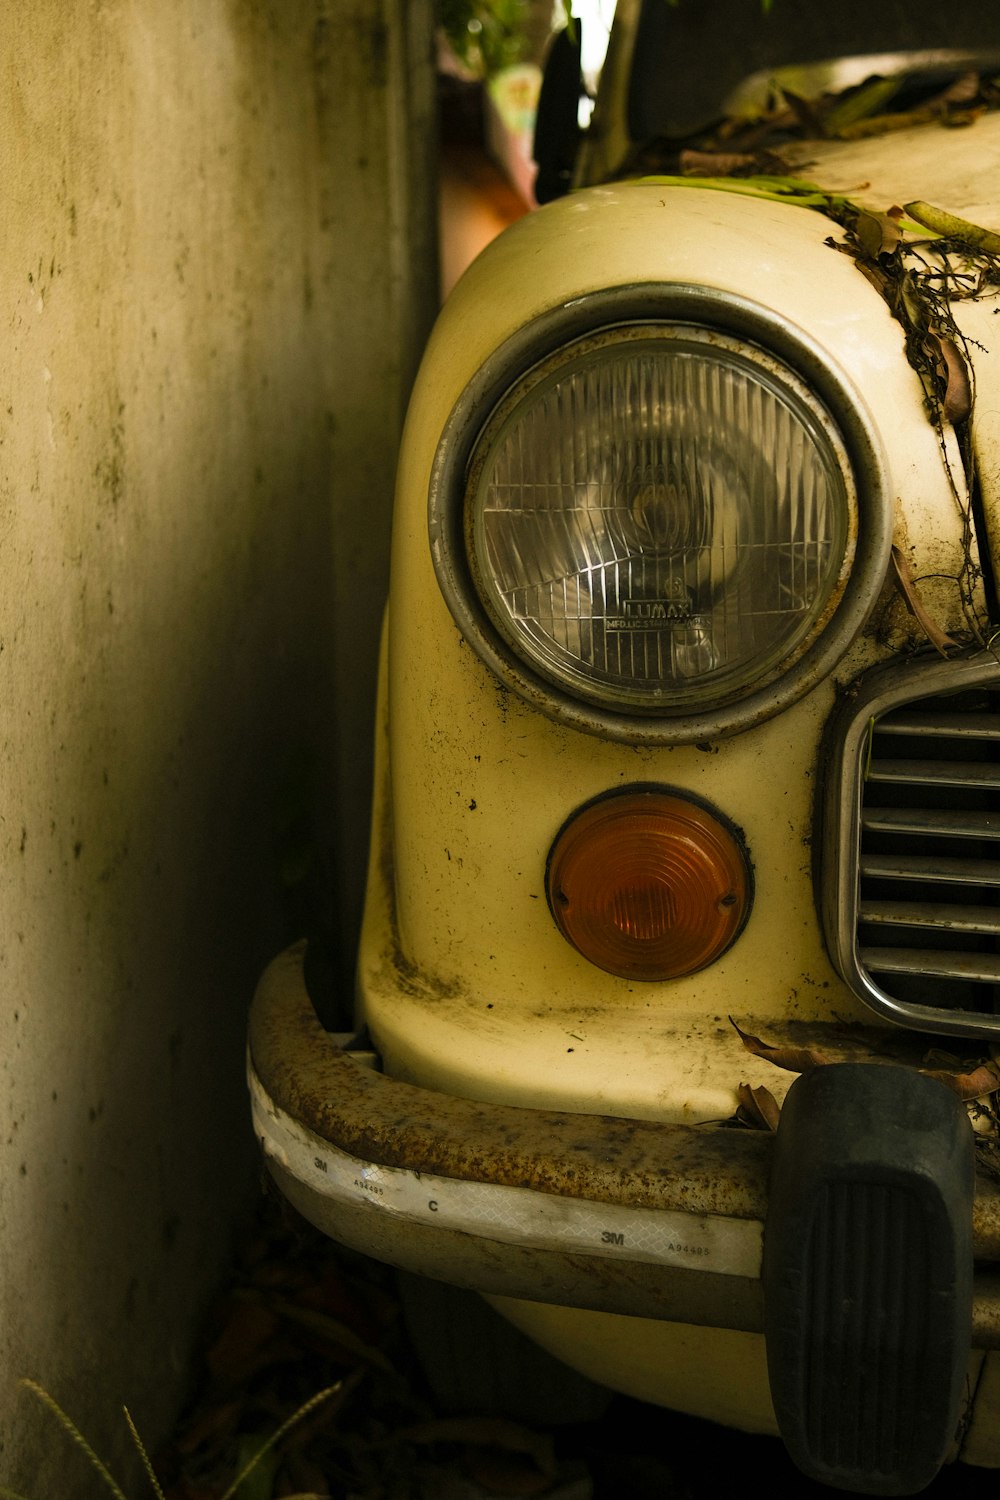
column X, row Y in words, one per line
column 603, row 1158
column 698, row 1169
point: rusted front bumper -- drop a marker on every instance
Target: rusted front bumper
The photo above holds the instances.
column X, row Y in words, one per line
column 630, row 1216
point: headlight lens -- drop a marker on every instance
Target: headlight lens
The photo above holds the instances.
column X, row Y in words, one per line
column 659, row 519
column 659, row 513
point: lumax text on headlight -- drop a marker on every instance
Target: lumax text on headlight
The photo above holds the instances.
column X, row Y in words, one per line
column 661, row 521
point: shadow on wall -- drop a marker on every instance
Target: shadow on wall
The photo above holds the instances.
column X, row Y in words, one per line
column 169, row 678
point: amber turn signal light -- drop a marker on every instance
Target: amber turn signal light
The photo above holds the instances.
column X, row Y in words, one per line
column 648, row 884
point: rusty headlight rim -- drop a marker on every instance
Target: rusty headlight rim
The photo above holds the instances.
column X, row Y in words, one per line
column 599, row 313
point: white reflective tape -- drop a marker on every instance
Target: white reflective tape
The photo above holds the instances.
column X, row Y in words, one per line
column 522, row 1216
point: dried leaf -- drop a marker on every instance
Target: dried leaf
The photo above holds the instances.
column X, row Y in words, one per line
column 907, row 586
column 957, row 403
column 962, row 90
column 806, row 114
column 886, row 124
column 758, row 1107
column 981, row 1081
column 793, row 1059
column 718, row 163
column 988, row 1158
column 506, row 1474
column 332, row 1331
column 958, row 119
column 878, row 234
column 486, row 1432
column 242, row 1343
column 913, row 304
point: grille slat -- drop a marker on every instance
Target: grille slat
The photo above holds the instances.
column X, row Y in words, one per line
column 927, row 902
column 981, row 968
column 970, row 774
column 944, row 725
column 937, row 914
column 936, row 823
column 948, row 871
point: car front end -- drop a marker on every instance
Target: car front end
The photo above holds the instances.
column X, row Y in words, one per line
column 687, row 800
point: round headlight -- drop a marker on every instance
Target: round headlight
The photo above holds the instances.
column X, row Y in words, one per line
column 660, row 521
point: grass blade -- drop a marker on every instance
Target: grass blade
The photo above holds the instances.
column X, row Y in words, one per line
column 276, row 1437
column 69, row 1426
column 146, row 1461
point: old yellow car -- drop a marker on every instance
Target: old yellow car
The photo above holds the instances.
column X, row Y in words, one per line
column 677, row 995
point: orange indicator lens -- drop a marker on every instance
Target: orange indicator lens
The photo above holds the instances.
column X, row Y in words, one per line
column 649, row 885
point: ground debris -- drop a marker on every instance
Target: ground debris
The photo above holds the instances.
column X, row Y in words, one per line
column 380, row 1438
column 975, row 1081
column 301, row 1311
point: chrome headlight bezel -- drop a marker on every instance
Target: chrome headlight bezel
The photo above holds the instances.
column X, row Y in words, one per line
column 595, row 316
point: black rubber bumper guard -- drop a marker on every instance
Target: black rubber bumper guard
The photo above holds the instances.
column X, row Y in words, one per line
column 868, row 1264
column 848, row 1238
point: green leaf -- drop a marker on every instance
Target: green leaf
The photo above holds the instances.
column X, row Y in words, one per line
column 861, row 103
column 951, row 227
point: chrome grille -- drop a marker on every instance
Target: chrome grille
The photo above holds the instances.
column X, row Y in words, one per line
column 911, row 879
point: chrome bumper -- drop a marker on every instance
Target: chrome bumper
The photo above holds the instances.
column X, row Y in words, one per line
column 628, row 1216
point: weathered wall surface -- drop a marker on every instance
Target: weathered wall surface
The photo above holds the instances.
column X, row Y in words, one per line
column 209, row 283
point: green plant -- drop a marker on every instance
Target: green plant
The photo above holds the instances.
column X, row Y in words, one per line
column 486, row 35
column 237, row 1490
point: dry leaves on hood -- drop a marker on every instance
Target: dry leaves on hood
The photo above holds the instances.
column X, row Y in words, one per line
column 758, row 1107
column 907, row 585
column 956, row 403
column 794, row 1059
column 877, row 234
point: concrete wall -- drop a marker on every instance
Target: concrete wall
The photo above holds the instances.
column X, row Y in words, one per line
column 215, row 257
